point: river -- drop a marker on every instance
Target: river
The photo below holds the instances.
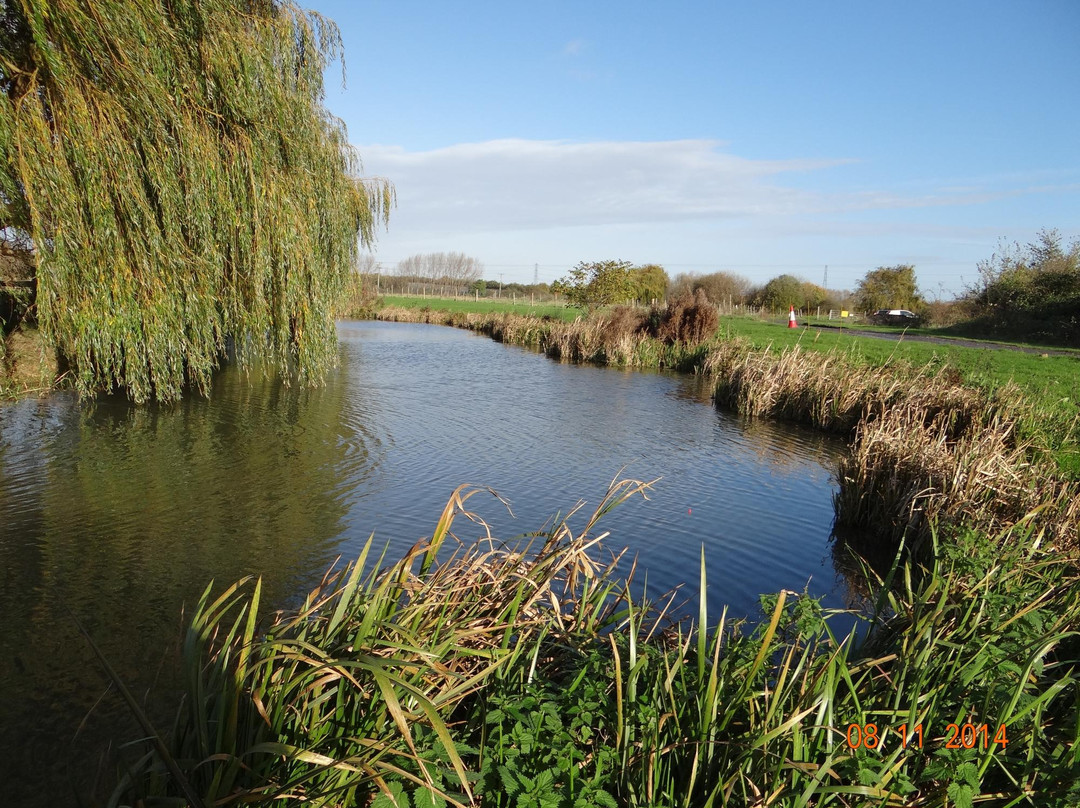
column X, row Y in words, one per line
column 120, row 515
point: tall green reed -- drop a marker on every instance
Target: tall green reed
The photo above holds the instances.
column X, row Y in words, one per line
column 530, row 675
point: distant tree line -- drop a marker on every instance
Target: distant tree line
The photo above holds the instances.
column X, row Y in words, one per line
column 452, row 268
column 1031, row 290
column 728, row 289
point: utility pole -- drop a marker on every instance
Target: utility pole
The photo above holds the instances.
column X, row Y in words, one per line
column 500, row 284
column 825, row 282
column 536, row 274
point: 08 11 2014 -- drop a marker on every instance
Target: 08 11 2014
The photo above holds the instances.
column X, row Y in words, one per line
column 957, row 736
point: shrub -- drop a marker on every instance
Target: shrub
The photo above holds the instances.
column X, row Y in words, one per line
column 688, row 319
column 624, row 322
column 1030, row 292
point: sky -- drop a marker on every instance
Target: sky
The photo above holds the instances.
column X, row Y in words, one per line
column 759, row 138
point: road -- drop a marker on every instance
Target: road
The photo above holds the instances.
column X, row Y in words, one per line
column 958, row 341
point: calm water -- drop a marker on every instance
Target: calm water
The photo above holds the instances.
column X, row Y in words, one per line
column 122, row 514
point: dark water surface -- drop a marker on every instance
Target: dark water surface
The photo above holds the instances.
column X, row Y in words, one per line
column 121, row 515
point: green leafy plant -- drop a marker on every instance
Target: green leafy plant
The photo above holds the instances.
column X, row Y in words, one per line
column 527, row 675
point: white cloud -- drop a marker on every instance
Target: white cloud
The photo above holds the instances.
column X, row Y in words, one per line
column 682, row 203
column 528, row 184
column 573, row 47
column 514, row 184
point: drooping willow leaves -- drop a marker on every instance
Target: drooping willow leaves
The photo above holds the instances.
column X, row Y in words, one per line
column 182, row 182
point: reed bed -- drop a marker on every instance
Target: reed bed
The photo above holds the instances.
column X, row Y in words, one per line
column 925, row 448
column 484, row 674
column 605, row 340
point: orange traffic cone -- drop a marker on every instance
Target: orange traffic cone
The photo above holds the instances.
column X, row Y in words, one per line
column 791, row 319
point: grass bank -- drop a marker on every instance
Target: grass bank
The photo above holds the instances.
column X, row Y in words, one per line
column 1052, row 381
column 27, row 367
column 521, row 306
column 524, row 674
column 927, row 445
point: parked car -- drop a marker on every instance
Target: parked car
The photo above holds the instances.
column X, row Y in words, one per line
column 894, row 317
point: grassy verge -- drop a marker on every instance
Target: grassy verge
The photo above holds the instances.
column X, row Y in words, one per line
column 527, row 676
column 485, row 306
column 1041, row 377
column 26, row 367
column 988, row 337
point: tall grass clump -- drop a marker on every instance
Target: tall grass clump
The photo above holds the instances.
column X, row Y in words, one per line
column 528, row 674
column 688, row 318
column 904, row 474
column 358, row 687
column 925, row 448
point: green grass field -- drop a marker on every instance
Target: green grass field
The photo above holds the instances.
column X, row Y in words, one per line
column 485, row 306
column 948, row 332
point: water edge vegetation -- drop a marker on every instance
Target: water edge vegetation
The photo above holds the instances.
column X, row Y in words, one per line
column 525, row 674
column 925, row 446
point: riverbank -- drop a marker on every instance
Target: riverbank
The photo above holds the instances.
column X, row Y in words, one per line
column 1050, row 383
column 27, row 367
column 927, row 449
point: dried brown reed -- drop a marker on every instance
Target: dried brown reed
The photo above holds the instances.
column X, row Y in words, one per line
column 622, row 338
column 625, row 323
column 924, row 447
column 903, row 475
column 689, row 318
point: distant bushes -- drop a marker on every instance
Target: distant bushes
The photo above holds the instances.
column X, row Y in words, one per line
column 1029, row 292
column 721, row 288
column 944, row 313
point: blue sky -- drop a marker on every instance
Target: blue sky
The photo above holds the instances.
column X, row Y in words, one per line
column 760, row 138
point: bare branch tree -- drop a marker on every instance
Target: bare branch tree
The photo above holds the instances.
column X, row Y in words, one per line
column 454, row 268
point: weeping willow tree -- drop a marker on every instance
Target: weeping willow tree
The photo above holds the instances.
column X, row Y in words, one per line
column 182, row 184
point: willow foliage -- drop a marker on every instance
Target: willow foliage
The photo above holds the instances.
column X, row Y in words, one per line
column 182, row 182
